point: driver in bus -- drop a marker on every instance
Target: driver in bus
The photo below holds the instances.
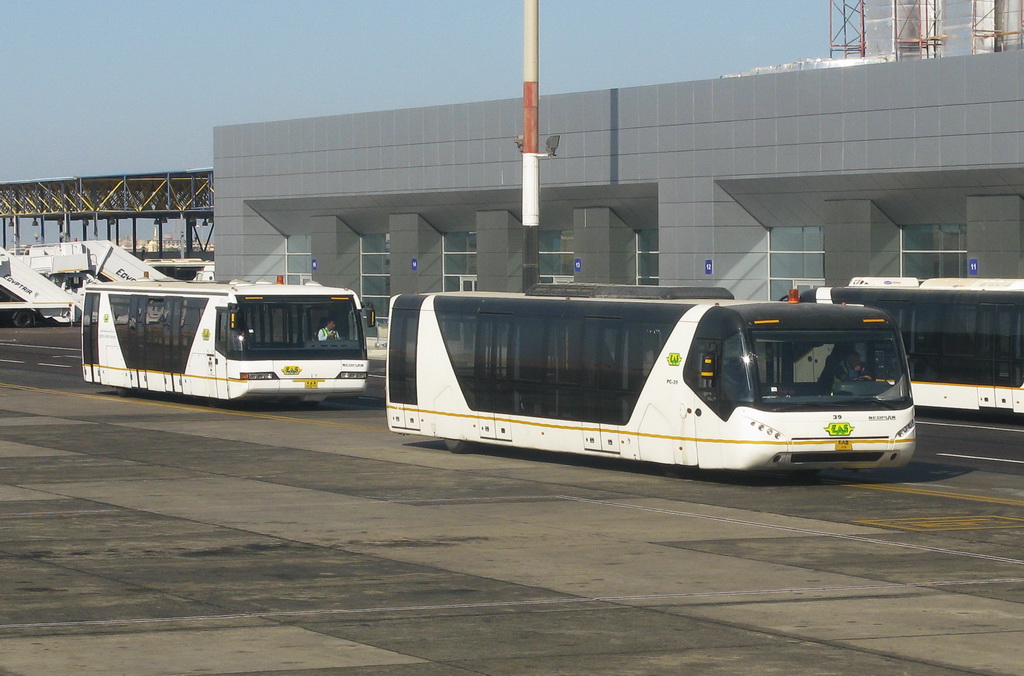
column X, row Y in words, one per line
column 851, row 369
column 328, row 332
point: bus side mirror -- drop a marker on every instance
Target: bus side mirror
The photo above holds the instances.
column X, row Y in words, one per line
column 234, row 317
column 708, row 365
column 370, row 314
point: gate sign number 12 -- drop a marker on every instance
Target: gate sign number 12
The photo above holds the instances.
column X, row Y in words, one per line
column 708, row 267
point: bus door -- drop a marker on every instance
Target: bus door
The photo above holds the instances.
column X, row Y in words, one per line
column 705, row 365
column 999, row 372
column 716, row 379
column 605, row 371
column 216, row 356
column 139, row 362
column 493, row 363
column 90, row 337
column 402, row 380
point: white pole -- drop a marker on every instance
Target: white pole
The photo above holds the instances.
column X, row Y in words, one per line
column 531, row 161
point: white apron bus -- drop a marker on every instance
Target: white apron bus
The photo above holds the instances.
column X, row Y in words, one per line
column 711, row 383
column 964, row 337
column 224, row 341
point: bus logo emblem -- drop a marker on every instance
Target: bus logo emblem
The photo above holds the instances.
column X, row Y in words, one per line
column 291, row 370
column 206, row 334
column 675, row 359
column 839, row 429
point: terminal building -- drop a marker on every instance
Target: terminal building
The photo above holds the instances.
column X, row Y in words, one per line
column 884, row 161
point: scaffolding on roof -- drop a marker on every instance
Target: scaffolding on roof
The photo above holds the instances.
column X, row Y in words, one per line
column 923, row 29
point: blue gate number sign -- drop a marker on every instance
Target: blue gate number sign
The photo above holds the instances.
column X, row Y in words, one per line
column 314, row 265
column 972, row 266
column 415, row 264
column 577, row 264
column 708, row 267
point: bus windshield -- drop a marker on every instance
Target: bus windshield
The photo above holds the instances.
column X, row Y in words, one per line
column 813, row 369
column 293, row 327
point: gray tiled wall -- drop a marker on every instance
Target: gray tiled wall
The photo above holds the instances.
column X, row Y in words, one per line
column 949, row 114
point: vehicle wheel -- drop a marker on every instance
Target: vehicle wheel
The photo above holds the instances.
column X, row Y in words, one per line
column 123, row 391
column 24, row 319
column 458, row 446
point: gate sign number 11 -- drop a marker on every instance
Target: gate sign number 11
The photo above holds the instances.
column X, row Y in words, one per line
column 708, row 267
column 972, row 266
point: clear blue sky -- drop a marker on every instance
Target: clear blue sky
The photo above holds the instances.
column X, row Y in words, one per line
column 95, row 87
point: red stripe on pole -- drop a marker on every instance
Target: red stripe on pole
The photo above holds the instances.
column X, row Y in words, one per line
column 530, row 117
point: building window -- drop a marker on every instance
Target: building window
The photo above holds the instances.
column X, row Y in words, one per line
column 647, row 257
column 459, row 261
column 934, row 251
column 375, row 270
column 796, row 259
column 298, row 263
column 555, row 256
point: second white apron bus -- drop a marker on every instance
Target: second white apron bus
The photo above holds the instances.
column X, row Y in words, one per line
column 657, row 374
column 964, row 336
column 239, row 340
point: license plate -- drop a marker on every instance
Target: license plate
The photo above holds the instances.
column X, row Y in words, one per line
column 844, row 445
column 312, row 384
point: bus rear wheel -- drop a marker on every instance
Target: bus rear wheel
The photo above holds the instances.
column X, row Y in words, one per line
column 459, row 446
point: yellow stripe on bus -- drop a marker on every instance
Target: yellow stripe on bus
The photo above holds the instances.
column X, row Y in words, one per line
column 645, row 435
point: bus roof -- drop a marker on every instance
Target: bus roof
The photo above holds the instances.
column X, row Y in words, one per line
column 236, row 287
column 911, row 282
column 975, row 284
column 764, row 313
column 630, row 291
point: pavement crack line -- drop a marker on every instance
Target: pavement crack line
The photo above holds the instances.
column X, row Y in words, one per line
column 483, row 605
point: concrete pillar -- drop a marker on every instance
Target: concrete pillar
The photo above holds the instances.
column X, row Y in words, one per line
column 859, row 241
column 335, row 247
column 416, row 246
column 994, row 233
column 499, row 251
column 605, row 246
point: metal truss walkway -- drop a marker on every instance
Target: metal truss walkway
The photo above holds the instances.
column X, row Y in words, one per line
column 86, row 201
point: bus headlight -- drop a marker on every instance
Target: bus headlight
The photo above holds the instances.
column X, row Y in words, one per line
column 907, row 429
column 262, row 375
column 352, row 374
column 768, row 431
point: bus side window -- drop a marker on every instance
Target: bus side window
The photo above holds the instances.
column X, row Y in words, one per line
column 701, row 372
column 223, row 342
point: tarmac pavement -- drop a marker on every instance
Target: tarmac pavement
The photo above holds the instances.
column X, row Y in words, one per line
column 153, row 536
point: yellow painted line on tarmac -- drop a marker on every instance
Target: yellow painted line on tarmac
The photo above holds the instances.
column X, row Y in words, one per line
column 941, row 494
column 194, row 407
column 945, row 523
